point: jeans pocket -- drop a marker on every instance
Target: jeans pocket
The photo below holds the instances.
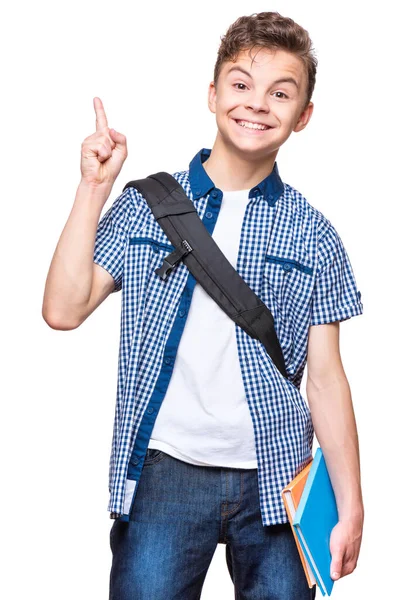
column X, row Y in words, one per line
column 153, row 455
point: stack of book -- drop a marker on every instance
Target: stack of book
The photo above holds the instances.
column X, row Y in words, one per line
column 311, row 507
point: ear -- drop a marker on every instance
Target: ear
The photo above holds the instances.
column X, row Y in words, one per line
column 304, row 117
column 212, row 93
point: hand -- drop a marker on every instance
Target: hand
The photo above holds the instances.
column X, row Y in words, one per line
column 345, row 542
column 103, row 153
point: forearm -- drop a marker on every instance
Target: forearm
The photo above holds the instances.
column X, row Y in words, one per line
column 69, row 280
column 335, row 427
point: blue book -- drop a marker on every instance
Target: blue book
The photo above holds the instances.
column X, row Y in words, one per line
column 315, row 517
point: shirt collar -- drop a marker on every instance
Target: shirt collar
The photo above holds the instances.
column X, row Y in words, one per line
column 200, row 183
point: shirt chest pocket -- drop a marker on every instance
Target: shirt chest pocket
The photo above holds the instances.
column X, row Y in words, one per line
column 148, row 253
column 287, row 288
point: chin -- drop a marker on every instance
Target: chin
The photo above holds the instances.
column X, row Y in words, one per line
column 249, row 147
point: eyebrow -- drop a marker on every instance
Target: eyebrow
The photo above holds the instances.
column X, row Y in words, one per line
column 280, row 80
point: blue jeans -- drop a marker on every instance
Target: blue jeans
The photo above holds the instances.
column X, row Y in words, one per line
column 180, row 513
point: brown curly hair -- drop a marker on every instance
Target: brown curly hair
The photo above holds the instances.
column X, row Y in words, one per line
column 272, row 31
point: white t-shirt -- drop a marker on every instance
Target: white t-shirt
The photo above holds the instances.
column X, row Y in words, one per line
column 204, row 418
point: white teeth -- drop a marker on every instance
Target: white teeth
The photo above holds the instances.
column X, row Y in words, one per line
column 251, row 125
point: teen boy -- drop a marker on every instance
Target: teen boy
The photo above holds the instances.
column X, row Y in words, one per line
column 207, row 431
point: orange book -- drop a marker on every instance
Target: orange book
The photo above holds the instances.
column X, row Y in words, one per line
column 291, row 495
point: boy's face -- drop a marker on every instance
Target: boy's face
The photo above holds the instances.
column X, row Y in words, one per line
column 260, row 98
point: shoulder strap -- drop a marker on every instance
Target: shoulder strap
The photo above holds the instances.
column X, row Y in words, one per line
column 197, row 249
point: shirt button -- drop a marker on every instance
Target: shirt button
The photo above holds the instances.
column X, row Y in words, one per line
column 182, row 312
column 197, row 192
column 256, row 190
column 150, row 410
column 214, row 194
column 209, row 215
column 270, row 197
column 287, row 266
column 135, row 460
column 167, row 361
column 156, row 249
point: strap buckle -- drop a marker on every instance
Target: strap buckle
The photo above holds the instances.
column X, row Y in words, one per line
column 173, row 259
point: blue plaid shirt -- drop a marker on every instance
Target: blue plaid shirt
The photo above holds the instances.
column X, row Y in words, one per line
column 290, row 255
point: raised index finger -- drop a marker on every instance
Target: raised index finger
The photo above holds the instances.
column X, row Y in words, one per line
column 101, row 119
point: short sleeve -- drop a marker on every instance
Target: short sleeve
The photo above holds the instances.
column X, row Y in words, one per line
column 112, row 235
column 335, row 295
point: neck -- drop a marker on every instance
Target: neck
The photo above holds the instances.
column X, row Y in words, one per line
column 232, row 170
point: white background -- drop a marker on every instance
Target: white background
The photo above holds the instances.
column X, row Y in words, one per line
column 151, row 64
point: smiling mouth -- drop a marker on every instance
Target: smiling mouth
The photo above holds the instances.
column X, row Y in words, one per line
column 252, row 128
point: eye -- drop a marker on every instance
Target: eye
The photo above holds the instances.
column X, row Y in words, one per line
column 239, row 84
column 281, row 93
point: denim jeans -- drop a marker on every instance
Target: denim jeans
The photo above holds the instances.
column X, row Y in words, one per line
column 180, row 513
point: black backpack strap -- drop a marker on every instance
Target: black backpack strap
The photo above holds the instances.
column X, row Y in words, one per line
column 197, row 249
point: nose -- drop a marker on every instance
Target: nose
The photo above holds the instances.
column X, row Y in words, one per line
column 258, row 104
column 258, row 108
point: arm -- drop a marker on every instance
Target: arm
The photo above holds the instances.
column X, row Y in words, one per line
column 330, row 403
column 75, row 285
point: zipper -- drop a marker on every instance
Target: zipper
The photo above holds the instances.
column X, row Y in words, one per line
column 147, row 240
